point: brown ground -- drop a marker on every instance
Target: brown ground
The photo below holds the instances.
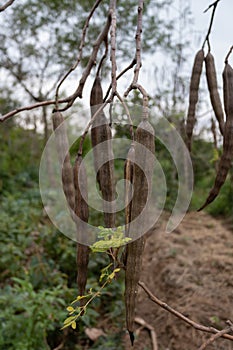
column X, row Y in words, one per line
column 191, row 270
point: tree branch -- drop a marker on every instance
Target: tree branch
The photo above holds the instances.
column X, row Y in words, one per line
column 90, row 64
column 182, row 317
column 7, row 4
column 99, row 110
column 228, row 55
column 18, row 76
column 80, row 50
column 127, row 113
column 144, row 324
column 138, row 42
column 53, row 102
column 216, row 336
column 134, row 85
column 29, row 108
column 118, row 77
column 138, row 49
column 214, row 5
column 113, row 45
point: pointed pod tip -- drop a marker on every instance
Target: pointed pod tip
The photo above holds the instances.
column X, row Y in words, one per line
column 202, row 207
column 131, row 335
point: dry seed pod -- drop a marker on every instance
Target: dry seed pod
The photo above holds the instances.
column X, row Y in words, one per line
column 142, row 182
column 193, row 95
column 62, row 145
column 82, row 212
column 128, row 175
column 227, row 155
column 213, row 90
column 100, row 133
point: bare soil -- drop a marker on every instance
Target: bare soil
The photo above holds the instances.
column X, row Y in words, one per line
column 191, row 270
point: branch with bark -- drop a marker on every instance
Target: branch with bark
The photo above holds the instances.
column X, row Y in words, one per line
column 6, row 5
column 200, row 327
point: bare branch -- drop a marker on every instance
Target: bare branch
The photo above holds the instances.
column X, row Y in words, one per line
column 134, row 85
column 138, row 49
column 138, row 42
column 216, row 336
column 145, row 97
column 113, row 45
column 144, row 324
column 28, row 108
column 211, row 5
column 214, row 5
column 18, row 76
column 228, row 55
column 182, row 317
column 90, row 64
column 103, row 58
column 99, row 110
column 7, row 4
column 118, row 77
column 127, row 113
column 80, row 50
column 53, row 102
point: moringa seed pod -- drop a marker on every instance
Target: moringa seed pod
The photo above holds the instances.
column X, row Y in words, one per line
column 62, row 146
column 101, row 137
column 193, row 95
column 128, row 175
column 82, row 213
column 142, row 183
column 213, row 90
column 227, row 155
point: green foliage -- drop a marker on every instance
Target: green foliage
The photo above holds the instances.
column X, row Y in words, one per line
column 75, row 310
column 19, row 158
column 223, row 205
column 34, row 287
column 37, row 263
column 31, row 313
column 204, row 157
column 110, row 238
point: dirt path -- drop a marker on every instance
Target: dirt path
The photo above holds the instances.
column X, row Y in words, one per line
column 192, row 270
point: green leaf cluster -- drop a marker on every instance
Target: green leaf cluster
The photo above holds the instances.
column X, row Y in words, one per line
column 110, row 238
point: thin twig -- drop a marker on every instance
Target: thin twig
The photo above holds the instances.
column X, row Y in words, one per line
column 99, row 110
column 215, row 337
column 103, row 58
column 228, row 55
column 53, row 102
column 80, row 50
column 182, row 317
column 138, row 49
column 118, row 77
column 7, row 4
column 127, row 113
column 138, row 42
column 211, row 5
column 144, row 324
column 113, row 45
column 134, row 85
column 145, row 98
column 92, row 60
column 28, row 108
column 214, row 5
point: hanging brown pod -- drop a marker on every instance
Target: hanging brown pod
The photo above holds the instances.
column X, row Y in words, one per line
column 142, row 183
column 227, row 155
column 213, row 90
column 82, row 212
column 193, row 96
column 128, row 175
column 62, row 146
column 101, row 138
